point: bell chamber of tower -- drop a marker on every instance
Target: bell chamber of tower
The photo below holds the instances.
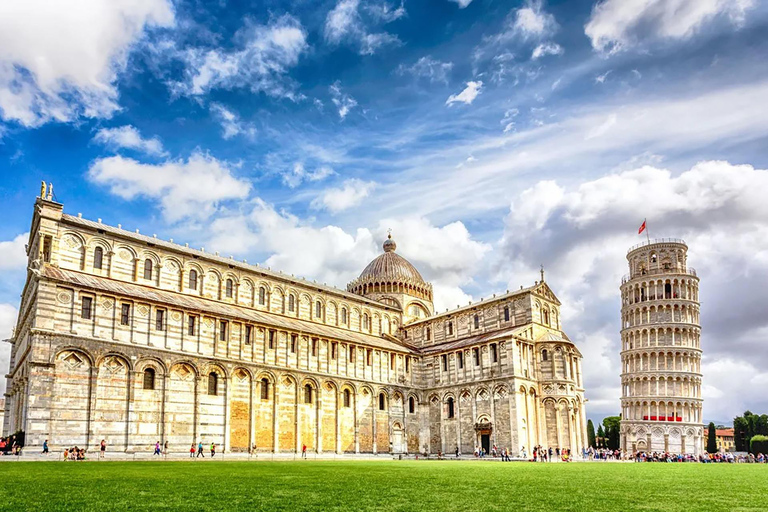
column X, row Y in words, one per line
column 661, row 402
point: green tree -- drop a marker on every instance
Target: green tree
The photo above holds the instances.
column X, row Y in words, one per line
column 712, row 439
column 758, row 444
column 600, row 436
column 740, row 439
column 591, row 434
column 612, row 430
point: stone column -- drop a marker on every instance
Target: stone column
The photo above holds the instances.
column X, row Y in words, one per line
column 318, row 423
column 227, row 412
column 91, row 404
column 275, row 424
column 559, row 424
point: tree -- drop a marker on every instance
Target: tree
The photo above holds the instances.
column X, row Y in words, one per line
column 758, row 444
column 600, row 436
column 740, row 439
column 612, row 430
column 591, row 434
column 712, row 439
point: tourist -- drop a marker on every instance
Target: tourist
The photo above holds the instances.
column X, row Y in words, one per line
column 303, row 451
column 45, row 447
column 102, row 448
column 165, row 448
column 200, row 450
column 457, row 452
column 157, row 448
column 66, row 454
column 192, row 451
column 213, row 449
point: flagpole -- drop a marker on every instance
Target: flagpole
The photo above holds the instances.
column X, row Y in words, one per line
column 647, row 232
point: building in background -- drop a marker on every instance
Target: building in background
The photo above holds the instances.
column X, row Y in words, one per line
column 724, row 440
column 661, row 400
column 134, row 340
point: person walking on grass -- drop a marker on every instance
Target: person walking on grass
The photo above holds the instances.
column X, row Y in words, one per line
column 192, row 451
column 102, row 448
column 157, row 448
column 303, row 451
column 213, row 449
column 200, row 450
column 45, row 447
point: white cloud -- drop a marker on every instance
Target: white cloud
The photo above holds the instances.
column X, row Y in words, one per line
column 128, row 137
column 298, row 174
column 60, row 60
column 192, row 189
column 582, row 232
column 345, row 23
column 600, row 79
column 231, row 123
column 544, row 49
column 533, row 22
column 618, row 24
column 13, row 254
column 427, row 67
column 466, row 96
column 8, row 315
column 351, row 193
column 261, row 65
column 602, row 128
column 343, row 101
column 462, row 3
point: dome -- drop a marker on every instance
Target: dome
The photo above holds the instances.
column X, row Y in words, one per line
column 390, row 266
column 391, row 273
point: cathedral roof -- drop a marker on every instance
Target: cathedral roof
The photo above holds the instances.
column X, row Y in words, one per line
column 390, row 267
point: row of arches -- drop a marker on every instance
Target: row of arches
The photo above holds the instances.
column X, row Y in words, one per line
column 683, row 387
column 420, row 290
column 680, row 361
column 660, row 289
column 650, row 315
column 181, row 401
column 659, row 410
column 662, row 337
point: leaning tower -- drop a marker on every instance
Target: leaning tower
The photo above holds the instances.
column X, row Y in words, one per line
column 661, row 351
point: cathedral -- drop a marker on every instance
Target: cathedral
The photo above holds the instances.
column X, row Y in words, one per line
column 132, row 339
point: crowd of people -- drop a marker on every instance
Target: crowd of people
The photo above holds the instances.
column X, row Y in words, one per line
column 11, row 445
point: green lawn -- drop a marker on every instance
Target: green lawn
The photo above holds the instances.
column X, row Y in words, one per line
column 384, row 485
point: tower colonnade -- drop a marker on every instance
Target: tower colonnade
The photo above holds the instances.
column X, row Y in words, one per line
column 661, row 401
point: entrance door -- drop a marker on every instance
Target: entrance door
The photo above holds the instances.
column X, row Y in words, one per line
column 397, row 441
column 485, row 442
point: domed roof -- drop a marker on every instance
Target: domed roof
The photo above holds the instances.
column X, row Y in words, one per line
column 390, row 267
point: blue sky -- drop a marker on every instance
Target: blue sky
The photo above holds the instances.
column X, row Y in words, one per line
column 490, row 136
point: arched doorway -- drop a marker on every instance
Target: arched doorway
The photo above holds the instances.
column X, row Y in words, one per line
column 483, row 430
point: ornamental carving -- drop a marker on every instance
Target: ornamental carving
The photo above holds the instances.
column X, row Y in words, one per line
column 64, row 297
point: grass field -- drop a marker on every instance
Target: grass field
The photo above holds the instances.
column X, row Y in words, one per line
column 385, row 485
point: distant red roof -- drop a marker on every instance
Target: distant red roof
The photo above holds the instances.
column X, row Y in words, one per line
column 724, row 432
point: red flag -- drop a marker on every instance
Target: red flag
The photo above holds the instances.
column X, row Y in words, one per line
column 642, row 228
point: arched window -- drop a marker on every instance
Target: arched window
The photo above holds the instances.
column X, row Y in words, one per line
column 344, row 316
column 506, row 313
column 149, row 378
column 477, row 321
column 291, row 303
column 229, row 288
column 308, row 394
column 429, row 333
column 347, row 398
column 411, row 405
column 148, row 269
column 98, row 257
column 213, row 384
column 449, row 407
column 264, row 389
column 318, row 310
column 365, row 321
column 192, row 285
column 546, row 316
column 450, row 328
column 543, row 355
column 262, row 296
column 382, row 402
